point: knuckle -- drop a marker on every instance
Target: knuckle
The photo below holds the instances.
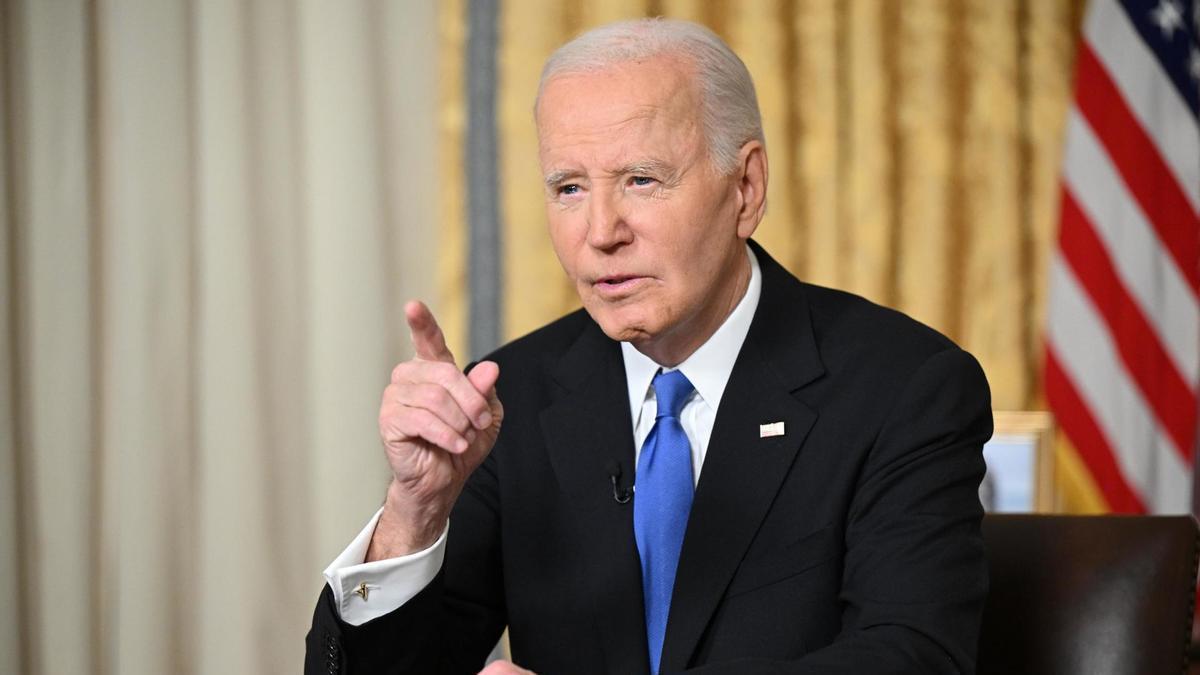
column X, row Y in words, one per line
column 387, row 410
column 408, row 371
column 399, row 371
column 446, row 372
column 431, row 396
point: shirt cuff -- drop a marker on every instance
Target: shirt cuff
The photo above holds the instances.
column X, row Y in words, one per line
column 388, row 583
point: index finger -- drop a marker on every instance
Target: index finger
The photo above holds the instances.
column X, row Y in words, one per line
column 427, row 338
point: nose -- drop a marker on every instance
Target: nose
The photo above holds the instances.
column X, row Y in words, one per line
column 607, row 228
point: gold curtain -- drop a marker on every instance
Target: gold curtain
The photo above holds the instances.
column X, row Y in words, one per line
column 914, row 150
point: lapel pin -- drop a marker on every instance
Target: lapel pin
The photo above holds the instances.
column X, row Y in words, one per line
column 769, row 430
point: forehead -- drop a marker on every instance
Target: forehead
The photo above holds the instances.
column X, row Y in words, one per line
column 618, row 109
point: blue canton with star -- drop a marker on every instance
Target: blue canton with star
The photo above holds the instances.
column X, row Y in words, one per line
column 1171, row 29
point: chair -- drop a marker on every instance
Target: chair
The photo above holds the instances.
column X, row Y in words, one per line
column 1088, row 595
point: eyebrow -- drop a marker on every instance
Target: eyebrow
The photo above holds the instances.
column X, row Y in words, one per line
column 556, row 177
column 651, row 166
column 644, row 166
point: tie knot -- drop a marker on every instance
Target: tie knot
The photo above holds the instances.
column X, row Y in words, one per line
column 671, row 390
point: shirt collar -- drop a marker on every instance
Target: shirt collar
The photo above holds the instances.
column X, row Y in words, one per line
column 709, row 367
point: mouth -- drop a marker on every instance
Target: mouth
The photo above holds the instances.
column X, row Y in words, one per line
column 616, row 285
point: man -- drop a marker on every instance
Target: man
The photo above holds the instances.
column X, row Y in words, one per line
column 807, row 463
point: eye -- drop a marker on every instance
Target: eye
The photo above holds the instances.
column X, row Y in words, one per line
column 569, row 189
column 641, row 181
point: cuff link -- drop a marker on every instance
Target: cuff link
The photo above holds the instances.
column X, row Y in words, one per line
column 364, row 590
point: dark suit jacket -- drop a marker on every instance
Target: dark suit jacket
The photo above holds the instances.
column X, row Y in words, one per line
column 850, row 544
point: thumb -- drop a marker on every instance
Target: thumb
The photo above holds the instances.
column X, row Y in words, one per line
column 483, row 377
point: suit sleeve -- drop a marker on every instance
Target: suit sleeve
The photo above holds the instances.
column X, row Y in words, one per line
column 450, row 626
column 915, row 577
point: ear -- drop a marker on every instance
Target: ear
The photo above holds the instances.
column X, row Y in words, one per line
column 751, row 174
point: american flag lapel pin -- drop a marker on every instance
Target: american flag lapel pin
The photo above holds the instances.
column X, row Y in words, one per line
column 770, row 429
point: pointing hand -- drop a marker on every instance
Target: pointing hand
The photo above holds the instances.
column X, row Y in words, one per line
column 437, row 425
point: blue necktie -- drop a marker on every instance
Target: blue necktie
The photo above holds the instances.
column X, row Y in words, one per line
column 662, row 500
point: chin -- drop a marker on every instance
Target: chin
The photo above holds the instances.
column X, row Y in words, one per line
column 621, row 328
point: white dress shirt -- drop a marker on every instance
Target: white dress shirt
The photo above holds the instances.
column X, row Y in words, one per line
column 393, row 582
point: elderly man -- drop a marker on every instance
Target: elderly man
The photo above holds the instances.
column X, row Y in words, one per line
column 715, row 468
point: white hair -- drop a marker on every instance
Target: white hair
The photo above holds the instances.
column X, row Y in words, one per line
column 728, row 104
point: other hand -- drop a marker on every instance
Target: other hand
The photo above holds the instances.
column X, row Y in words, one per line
column 504, row 668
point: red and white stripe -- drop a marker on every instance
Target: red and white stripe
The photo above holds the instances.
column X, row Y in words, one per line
column 1123, row 334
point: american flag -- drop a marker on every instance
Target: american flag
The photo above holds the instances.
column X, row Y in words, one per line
column 1122, row 371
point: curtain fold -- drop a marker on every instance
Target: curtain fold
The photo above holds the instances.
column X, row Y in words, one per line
column 212, row 214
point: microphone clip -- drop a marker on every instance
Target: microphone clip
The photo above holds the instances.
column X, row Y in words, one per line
column 620, row 495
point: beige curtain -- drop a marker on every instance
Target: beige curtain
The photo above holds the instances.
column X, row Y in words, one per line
column 212, row 212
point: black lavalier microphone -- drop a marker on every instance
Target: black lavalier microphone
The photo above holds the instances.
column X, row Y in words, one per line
column 621, row 495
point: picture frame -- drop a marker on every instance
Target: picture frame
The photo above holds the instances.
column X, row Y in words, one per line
column 1020, row 459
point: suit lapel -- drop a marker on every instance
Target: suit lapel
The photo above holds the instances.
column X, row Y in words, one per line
column 743, row 472
column 588, row 430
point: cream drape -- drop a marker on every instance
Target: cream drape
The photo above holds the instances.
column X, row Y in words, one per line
column 212, row 212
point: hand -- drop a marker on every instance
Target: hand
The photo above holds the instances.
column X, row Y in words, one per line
column 437, row 425
column 504, row 668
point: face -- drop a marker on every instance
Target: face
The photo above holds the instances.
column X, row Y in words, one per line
column 650, row 232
